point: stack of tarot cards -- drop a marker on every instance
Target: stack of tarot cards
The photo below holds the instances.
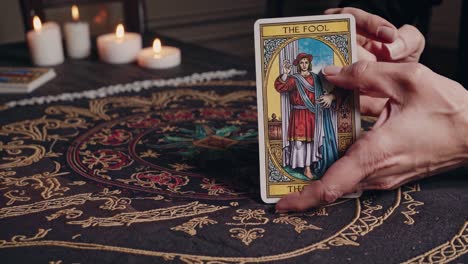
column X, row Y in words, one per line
column 23, row 80
column 305, row 123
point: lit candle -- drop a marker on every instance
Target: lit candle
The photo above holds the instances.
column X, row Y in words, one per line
column 77, row 37
column 45, row 43
column 121, row 47
column 159, row 57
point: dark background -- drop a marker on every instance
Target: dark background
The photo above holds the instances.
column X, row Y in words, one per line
column 227, row 26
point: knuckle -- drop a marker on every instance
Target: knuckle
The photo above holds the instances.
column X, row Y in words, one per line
column 414, row 32
column 358, row 69
column 329, row 195
column 415, row 73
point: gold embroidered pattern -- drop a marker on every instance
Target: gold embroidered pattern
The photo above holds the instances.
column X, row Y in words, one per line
column 45, row 181
column 181, row 166
column 250, row 217
column 73, row 111
column 211, row 259
column 71, row 213
column 166, row 100
column 158, row 180
column 77, row 183
column 446, row 252
column 110, row 137
column 112, row 203
column 13, row 198
column 150, row 154
column 40, row 129
column 174, row 212
column 410, row 203
column 16, row 149
column 214, row 188
column 18, row 239
column 155, row 198
column 299, row 224
column 364, row 224
column 366, row 219
column 247, row 235
column 322, row 211
column 189, row 227
column 12, row 211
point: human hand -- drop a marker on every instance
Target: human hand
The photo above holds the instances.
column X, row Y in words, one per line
column 286, row 67
column 422, row 131
column 326, row 100
column 379, row 40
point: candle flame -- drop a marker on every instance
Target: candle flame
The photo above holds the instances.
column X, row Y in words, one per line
column 75, row 13
column 37, row 23
column 157, row 46
column 120, row 31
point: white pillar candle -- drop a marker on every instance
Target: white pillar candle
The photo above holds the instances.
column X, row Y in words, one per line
column 77, row 37
column 45, row 43
column 121, row 47
column 159, row 57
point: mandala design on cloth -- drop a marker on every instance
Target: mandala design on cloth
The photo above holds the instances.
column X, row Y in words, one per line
column 173, row 150
column 168, row 156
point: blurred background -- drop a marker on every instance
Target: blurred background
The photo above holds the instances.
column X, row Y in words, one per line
column 227, row 26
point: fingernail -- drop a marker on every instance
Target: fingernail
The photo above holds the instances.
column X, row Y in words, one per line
column 331, row 70
column 396, row 48
column 281, row 211
column 388, row 34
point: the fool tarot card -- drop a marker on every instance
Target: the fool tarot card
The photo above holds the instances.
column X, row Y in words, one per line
column 305, row 123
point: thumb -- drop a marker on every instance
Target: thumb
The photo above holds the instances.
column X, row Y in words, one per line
column 376, row 79
column 408, row 46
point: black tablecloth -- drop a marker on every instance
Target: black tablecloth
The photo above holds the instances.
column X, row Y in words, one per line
column 171, row 174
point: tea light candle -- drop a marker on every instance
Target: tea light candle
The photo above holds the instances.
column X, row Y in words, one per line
column 45, row 43
column 120, row 47
column 77, row 37
column 159, row 57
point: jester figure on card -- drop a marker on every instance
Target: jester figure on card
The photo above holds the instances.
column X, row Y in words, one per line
column 309, row 118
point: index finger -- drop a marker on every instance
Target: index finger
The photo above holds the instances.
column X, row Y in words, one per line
column 343, row 177
column 369, row 25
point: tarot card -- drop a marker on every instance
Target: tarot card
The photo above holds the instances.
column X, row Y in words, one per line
column 305, row 123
